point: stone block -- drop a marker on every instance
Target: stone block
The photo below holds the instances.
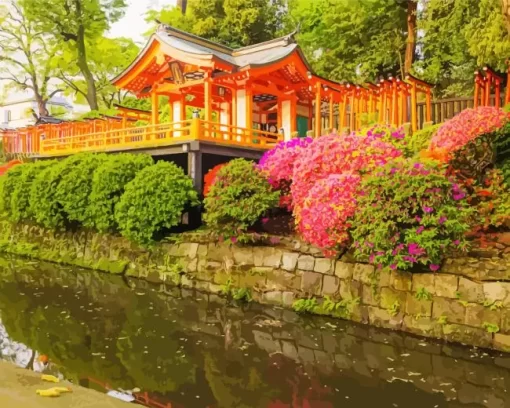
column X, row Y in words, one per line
column 289, row 350
column 219, row 252
column 390, row 296
column 243, row 255
column 383, row 278
column 251, row 280
column 381, row 318
column 502, row 341
column 446, row 285
column 272, row 258
column 417, row 307
column 266, row 342
column 470, row 291
column 202, row 250
column 188, row 249
column 494, row 291
column 192, row 265
column 272, row 298
column 187, row 282
column 306, row 262
column 368, row 296
column 344, row 270
column 467, row 335
column 451, row 309
column 324, row 265
column 282, row 280
column 424, row 326
column 288, row 298
column 401, row 280
column 289, row 261
column 350, row 289
column 477, row 315
column 505, row 320
column 311, row 283
column 363, row 273
column 425, row 281
column 330, row 285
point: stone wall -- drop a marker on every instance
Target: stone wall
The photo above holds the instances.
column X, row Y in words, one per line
column 468, row 301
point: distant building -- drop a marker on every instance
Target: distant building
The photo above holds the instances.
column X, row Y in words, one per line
column 17, row 112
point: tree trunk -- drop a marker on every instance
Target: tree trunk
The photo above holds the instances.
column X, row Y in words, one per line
column 85, row 70
column 411, row 34
column 505, row 8
column 182, row 4
column 42, row 109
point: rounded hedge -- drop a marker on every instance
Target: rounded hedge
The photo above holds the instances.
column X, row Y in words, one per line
column 8, row 183
column 238, row 198
column 154, row 201
column 20, row 200
column 409, row 213
column 108, row 184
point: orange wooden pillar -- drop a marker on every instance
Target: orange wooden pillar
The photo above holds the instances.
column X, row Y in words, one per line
column 341, row 112
column 414, row 107
column 293, row 115
column 394, row 102
column 207, row 100
column 476, row 100
column 507, row 93
column 155, row 108
column 488, row 83
column 497, row 87
column 331, row 106
column 318, row 101
column 428, row 101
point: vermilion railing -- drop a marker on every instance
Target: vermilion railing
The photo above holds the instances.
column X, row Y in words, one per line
column 65, row 139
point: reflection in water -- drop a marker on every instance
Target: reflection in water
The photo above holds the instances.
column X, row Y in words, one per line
column 167, row 347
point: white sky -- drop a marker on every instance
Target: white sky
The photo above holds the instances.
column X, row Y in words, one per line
column 133, row 24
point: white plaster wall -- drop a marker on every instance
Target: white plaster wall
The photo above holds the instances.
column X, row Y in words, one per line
column 176, row 107
column 224, row 119
column 286, row 119
column 241, row 108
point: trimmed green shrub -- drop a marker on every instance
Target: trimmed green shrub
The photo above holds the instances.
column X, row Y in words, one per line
column 8, row 183
column 420, row 140
column 410, row 213
column 154, row 201
column 238, row 198
column 20, row 200
column 108, row 184
column 75, row 185
column 45, row 192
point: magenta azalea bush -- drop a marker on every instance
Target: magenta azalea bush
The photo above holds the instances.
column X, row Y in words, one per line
column 333, row 154
column 324, row 218
column 277, row 165
column 466, row 126
column 409, row 213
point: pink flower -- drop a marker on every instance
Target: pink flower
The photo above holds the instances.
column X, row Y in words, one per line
column 233, row 239
column 458, row 196
column 456, row 242
column 393, row 266
column 434, row 267
column 420, row 230
column 442, row 220
column 428, row 210
column 265, row 220
column 415, row 249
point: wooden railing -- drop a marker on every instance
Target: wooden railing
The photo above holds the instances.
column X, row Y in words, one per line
column 38, row 142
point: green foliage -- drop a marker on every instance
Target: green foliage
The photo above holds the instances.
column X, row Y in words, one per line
column 420, row 139
column 242, row 294
column 493, row 305
column 8, row 183
column 490, row 327
column 305, row 305
column 20, row 200
column 409, row 213
column 351, row 40
column 108, row 184
column 238, row 198
column 423, row 294
column 394, row 308
column 235, row 23
column 342, row 308
column 154, row 202
column 505, row 171
column 75, row 185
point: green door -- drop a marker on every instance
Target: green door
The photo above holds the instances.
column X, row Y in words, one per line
column 302, row 126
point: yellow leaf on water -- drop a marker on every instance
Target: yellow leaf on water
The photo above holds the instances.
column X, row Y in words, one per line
column 48, row 393
column 49, row 378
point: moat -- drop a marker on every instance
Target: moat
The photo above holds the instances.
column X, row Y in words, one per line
column 168, row 347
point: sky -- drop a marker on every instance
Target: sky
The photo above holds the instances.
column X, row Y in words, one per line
column 133, row 24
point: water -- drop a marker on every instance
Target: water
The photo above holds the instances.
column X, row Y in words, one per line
column 167, row 348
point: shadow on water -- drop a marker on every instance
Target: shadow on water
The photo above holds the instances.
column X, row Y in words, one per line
column 173, row 348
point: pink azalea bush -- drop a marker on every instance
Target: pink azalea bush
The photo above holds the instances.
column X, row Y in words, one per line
column 277, row 165
column 333, row 154
column 325, row 214
column 467, row 126
column 324, row 184
column 410, row 213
